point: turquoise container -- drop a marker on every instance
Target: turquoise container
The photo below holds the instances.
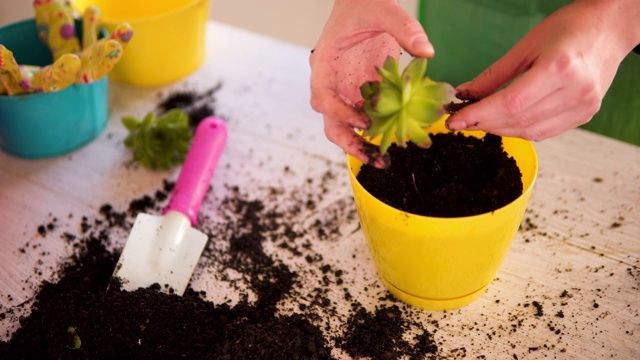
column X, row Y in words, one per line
column 44, row 125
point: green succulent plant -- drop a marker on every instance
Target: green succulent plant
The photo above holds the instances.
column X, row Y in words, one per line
column 159, row 142
column 404, row 105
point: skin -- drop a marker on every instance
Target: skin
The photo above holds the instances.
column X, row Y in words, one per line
column 551, row 81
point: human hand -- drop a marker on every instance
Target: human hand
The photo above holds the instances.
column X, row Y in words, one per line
column 559, row 73
column 357, row 38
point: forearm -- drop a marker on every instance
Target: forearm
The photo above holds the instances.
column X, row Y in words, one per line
column 620, row 18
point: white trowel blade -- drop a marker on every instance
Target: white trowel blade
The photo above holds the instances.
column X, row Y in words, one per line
column 160, row 250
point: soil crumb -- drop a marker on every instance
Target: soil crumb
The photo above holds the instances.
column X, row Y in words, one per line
column 380, row 335
column 197, row 105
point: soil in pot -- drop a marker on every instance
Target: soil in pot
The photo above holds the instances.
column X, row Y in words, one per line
column 458, row 175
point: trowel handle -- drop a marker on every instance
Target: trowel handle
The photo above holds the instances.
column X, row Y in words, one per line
column 195, row 177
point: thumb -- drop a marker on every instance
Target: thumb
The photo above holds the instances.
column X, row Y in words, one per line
column 407, row 31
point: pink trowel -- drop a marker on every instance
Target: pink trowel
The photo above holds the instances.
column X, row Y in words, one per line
column 166, row 249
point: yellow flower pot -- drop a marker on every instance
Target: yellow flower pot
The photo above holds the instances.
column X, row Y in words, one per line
column 168, row 40
column 442, row 263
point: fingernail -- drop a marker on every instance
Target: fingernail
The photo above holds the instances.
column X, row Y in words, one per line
column 463, row 85
column 374, row 157
column 423, row 45
column 365, row 123
column 383, row 162
column 455, row 124
column 462, row 91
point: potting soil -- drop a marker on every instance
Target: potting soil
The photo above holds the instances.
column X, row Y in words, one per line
column 456, row 176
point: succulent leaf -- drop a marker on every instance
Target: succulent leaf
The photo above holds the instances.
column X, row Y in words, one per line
column 417, row 135
column 390, row 71
column 387, row 137
column 402, row 106
column 130, row 122
column 381, row 125
column 435, row 91
column 415, row 71
column 159, row 142
column 424, row 111
column 390, row 103
column 401, row 130
column 369, row 89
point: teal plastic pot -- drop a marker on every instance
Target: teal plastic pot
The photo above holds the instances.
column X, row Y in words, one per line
column 45, row 125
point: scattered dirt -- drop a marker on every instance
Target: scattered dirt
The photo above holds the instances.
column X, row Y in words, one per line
column 380, row 335
column 84, row 314
column 197, row 105
column 456, row 176
column 454, row 107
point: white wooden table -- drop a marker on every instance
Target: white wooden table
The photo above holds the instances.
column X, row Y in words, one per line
column 581, row 233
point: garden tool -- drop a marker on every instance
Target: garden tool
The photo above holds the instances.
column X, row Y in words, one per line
column 98, row 60
column 122, row 34
column 18, row 79
column 165, row 249
column 56, row 27
column 90, row 22
column 11, row 81
column 54, row 77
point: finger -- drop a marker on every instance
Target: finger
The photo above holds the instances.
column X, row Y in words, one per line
column 407, row 31
column 551, row 126
column 505, row 69
column 326, row 100
column 353, row 144
column 329, row 103
column 482, row 115
column 506, row 108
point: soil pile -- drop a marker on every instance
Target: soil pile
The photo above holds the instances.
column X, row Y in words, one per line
column 84, row 315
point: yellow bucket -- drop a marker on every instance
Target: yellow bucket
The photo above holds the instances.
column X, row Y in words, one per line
column 168, row 40
column 442, row 263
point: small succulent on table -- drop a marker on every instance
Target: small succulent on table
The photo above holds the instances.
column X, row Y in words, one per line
column 402, row 106
column 159, row 142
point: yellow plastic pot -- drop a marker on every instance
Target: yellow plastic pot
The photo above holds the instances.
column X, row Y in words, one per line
column 168, row 40
column 442, row 263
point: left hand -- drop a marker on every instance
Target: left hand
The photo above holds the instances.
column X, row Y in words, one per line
column 559, row 73
column 357, row 38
